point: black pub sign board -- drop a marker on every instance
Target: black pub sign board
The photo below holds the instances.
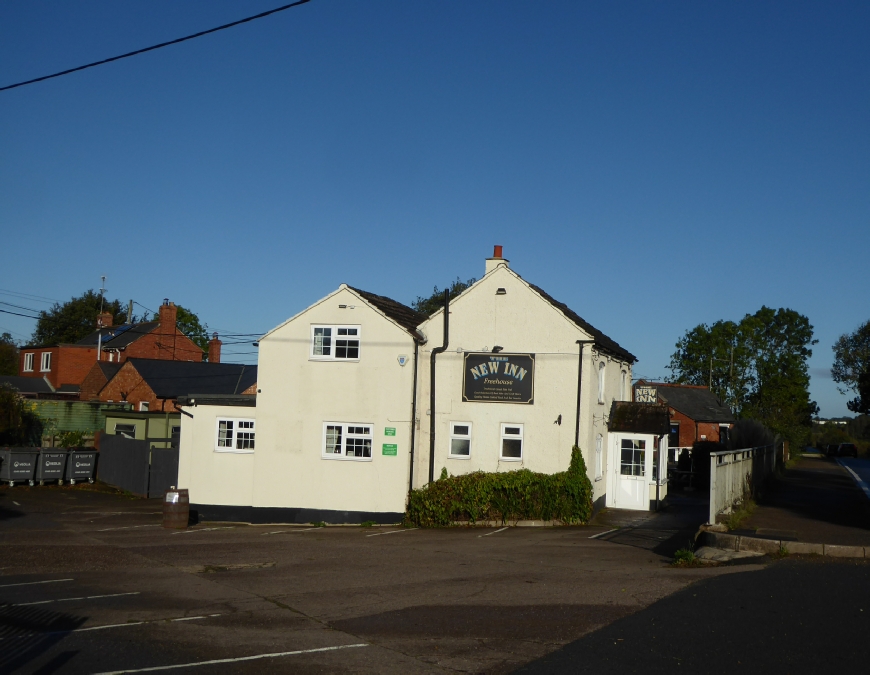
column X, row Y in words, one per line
column 499, row 378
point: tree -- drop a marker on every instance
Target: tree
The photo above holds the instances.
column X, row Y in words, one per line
column 8, row 355
column 75, row 319
column 758, row 366
column 434, row 302
column 19, row 424
column 852, row 367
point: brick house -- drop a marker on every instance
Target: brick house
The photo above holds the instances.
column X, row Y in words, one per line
column 155, row 384
column 695, row 412
column 67, row 366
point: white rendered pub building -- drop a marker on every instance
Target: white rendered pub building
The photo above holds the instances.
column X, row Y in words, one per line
column 340, row 427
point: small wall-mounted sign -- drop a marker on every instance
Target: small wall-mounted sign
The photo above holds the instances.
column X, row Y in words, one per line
column 645, row 395
column 390, row 449
column 389, row 431
column 403, row 359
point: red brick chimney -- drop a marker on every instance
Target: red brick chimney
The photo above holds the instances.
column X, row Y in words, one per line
column 214, row 349
column 496, row 260
column 167, row 316
column 104, row 320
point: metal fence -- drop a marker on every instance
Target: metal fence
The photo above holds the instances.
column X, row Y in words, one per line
column 736, row 474
column 138, row 467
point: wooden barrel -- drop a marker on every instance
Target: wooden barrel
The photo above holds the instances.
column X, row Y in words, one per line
column 176, row 509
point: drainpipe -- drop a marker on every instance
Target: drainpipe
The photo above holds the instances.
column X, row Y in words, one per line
column 579, row 380
column 413, row 416
column 435, row 352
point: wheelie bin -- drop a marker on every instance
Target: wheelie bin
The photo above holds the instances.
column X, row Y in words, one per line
column 81, row 464
column 18, row 465
column 51, row 465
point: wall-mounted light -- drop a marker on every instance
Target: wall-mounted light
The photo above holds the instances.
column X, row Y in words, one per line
column 342, row 306
column 501, row 291
column 256, row 344
column 497, row 349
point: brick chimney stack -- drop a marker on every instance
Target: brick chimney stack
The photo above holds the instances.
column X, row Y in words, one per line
column 496, row 260
column 104, row 320
column 167, row 316
column 214, row 349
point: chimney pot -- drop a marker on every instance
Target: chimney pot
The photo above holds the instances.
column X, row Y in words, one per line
column 496, row 260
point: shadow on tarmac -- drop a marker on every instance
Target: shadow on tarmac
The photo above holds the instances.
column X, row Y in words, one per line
column 27, row 633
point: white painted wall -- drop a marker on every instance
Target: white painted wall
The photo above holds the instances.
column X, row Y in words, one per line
column 520, row 321
column 214, row 477
column 297, row 395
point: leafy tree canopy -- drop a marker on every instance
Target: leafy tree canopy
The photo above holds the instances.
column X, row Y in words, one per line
column 19, row 424
column 852, row 367
column 434, row 302
column 75, row 319
column 8, row 355
column 758, row 366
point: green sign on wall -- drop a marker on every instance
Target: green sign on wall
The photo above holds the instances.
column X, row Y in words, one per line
column 390, row 449
column 389, row 431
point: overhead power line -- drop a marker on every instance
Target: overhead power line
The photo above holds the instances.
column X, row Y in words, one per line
column 158, row 46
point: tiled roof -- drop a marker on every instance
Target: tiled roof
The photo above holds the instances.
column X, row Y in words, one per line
column 401, row 314
column 698, row 403
column 171, row 379
column 603, row 342
column 118, row 337
column 26, row 385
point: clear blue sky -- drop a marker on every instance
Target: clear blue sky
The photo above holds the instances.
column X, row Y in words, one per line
column 654, row 165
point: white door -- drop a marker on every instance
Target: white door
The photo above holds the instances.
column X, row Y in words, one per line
column 632, row 463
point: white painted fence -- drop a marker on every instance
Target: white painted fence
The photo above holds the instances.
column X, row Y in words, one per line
column 733, row 473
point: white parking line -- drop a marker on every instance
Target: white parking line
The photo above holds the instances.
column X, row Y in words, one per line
column 84, row 597
column 378, row 534
column 858, row 479
column 129, row 527
column 205, row 529
column 241, row 658
column 489, row 533
column 111, row 625
column 601, row 534
column 32, row 583
column 307, row 529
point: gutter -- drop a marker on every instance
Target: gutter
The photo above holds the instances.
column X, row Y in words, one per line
column 435, row 353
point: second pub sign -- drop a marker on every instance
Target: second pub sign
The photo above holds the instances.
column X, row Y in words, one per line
column 499, row 378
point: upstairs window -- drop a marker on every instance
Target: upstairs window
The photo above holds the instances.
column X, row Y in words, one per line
column 45, row 362
column 335, row 343
column 601, row 372
column 347, row 440
column 28, row 363
column 235, row 435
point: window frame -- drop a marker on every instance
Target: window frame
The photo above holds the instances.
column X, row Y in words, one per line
column 602, row 374
column 236, row 430
column 460, row 437
column 126, row 430
column 28, row 362
column 599, row 457
column 512, row 437
column 143, row 406
column 333, row 339
column 342, row 456
column 45, row 362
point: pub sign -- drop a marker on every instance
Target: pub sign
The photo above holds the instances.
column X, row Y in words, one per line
column 499, row 378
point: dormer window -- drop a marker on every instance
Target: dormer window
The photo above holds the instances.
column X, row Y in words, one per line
column 28, row 362
column 335, row 343
column 45, row 362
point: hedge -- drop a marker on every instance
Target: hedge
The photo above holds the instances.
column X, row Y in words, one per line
column 503, row 497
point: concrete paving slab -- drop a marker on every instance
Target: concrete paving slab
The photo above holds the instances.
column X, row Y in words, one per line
column 835, row 551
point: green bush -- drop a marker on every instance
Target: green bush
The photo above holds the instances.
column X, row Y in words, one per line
column 514, row 495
